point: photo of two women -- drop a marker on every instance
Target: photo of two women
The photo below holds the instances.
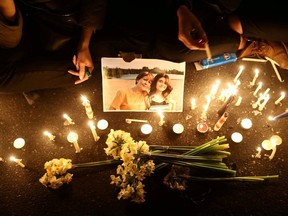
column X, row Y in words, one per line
column 142, row 85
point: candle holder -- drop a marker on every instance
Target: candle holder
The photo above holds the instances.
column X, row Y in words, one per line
column 19, row 143
column 178, row 128
column 237, row 137
column 102, row 124
column 146, row 129
column 202, row 127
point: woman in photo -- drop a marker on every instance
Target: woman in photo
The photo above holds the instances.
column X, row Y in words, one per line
column 159, row 95
column 135, row 98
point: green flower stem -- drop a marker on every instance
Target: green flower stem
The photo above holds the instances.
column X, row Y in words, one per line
column 186, row 157
column 222, row 168
column 245, row 178
column 97, row 163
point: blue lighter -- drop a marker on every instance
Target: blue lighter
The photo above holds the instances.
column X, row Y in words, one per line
column 218, row 60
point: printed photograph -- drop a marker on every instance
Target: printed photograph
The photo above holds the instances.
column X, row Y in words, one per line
column 143, row 85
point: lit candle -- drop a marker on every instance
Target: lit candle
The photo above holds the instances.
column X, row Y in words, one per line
column 146, row 129
column 220, row 121
column 204, row 113
column 239, row 100
column 88, row 108
column 268, row 145
column 18, row 161
column 19, row 143
column 246, row 123
column 237, row 137
column 263, row 104
column 73, row 138
column 280, row 98
column 93, row 130
column 49, row 135
column 277, row 140
column 202, row 127
column 258, row 88
column 260, row 98
column 282, row 115
column 215, row 89
column 178, row 128
column 102, row 124
column 258, row 155
column 161, row 122
column 238, row 74
column 255, row 77
column 193, row 103
column 68, row 119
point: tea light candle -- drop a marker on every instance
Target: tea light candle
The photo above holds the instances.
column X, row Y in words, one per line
column 146, row 129
column 19, row 143
column 277, row 140
column 102, row 124
column 280, row 98
column 18, row 161
column 237, row 137
column 258, row 88
column 49, row 135
column 202, row 127
column 73, row 138
column 255, row 77
column 68, row 119
column 178, row 128
column 246, row 123
column 88, row 108
column 93, row 130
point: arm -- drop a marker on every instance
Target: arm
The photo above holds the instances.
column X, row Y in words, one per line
column 11, row 23
column 190, row 30
column 91, row 19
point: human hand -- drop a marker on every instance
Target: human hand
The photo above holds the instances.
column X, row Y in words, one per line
column 190, row 31
column 84, row 65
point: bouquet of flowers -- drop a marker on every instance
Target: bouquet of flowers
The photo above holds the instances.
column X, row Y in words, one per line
column 136, row 160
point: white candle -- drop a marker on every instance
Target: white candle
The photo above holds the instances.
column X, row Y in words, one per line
column 277, row 140
column 261, row 106
column 73, row 138
column 93, row 130
column 102, row 124
column 237, row 137
column 146, row 129
column 258, row 155
column 161, row 122
column 18, row 161
column 178, row 128
column 255, row 77
column 68, row 119
column 246, row 123
column 238, row 74
column 258, row 88
column 19, row 143
column 239, row 100
column 88, row 108
column 49, row 135
column 215, row 89
column 268, row 145
column 193, row 103
column 280, row 98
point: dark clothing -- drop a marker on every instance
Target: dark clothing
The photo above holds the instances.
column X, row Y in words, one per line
column 50, row 37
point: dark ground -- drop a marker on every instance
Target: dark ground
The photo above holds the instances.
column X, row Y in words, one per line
column 90, row 192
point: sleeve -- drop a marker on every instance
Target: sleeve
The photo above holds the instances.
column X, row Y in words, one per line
column 10, row 35
column 117, row 101
column 93, row 13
